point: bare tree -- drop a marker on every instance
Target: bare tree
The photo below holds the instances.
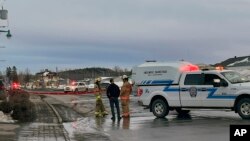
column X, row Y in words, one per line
column 27, row 76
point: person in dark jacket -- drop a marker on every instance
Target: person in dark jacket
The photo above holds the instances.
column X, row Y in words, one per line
column 113, row 93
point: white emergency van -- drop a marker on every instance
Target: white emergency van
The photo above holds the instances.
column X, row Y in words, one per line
column 181, row 86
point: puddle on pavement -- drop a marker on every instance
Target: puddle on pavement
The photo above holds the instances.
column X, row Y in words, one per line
column 86, row 129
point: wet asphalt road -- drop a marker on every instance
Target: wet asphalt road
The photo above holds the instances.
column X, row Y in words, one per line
column 199, row 126
column 143, row 126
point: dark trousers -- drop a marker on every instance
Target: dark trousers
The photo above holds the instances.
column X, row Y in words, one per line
column 114, row 102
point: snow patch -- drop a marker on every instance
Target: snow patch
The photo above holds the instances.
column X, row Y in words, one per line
column 81, row 125
column 5, row 119
column 88, row 128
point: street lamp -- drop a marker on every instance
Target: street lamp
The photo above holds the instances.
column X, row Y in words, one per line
column 4, row 18
column 8, row 35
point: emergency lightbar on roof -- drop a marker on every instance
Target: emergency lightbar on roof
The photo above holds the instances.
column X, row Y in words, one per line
column 189, row 67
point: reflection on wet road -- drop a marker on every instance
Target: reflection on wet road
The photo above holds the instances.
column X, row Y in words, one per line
column 143, row 126
column 205, row 126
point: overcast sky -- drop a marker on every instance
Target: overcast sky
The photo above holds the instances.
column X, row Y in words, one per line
column 106, row 33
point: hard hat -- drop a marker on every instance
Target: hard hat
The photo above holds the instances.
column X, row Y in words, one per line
column 124, row 76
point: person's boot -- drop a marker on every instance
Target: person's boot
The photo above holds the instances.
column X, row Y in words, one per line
column 113, row 118
column 119, row 118
column 104, row 113
column 96, row 114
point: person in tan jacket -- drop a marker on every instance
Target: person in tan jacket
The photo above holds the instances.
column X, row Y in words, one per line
column 99, row 109
column 126, row 90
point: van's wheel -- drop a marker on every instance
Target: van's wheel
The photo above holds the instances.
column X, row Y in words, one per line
column 243, row 108
column 182, row 112
column 160, row 108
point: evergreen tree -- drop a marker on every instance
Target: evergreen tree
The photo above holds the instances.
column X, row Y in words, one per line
column 1, row 75
column 8, row 73
column 11, row 74
column 14, row 74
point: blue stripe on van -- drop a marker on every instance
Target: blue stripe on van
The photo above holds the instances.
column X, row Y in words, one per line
column 212, row 96
column 167, row 82
column 149, row 82
column 156, row 82
column 211, row 91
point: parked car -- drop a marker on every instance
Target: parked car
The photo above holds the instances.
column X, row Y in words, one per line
column 91, row 87
column 61, row 86
column 75, row 87
column 182, row 86
column 104, row 85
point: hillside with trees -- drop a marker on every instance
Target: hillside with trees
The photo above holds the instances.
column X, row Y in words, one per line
column 80, row 74
column 23, row 77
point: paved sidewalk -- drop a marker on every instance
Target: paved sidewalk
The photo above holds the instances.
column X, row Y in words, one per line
column 8, row 132
column 47, row 126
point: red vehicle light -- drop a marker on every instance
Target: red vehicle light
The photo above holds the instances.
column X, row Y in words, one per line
column 15, row 85
column 188, row 68
column 73, row 83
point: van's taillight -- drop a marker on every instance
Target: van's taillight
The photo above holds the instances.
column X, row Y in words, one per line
column 139, row 91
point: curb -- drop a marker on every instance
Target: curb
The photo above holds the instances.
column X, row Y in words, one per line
column 54, row 110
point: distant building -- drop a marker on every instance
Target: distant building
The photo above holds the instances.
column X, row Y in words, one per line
column 47, row 79
column 236, row 62
column 240, row 64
